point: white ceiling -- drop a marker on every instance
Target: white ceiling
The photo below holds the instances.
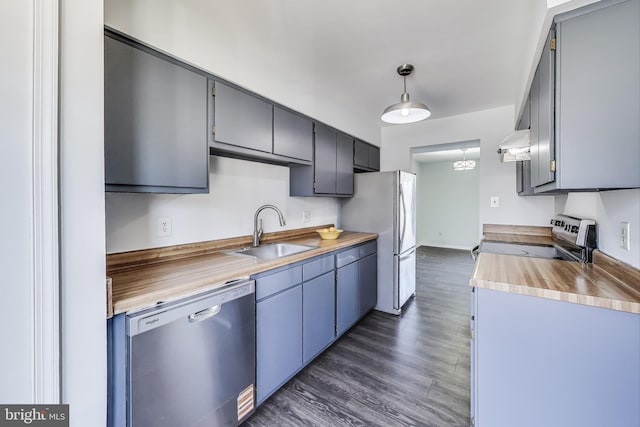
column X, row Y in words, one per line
column 469, row 55
column 327, row 57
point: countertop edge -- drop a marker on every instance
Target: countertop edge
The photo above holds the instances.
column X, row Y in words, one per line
column 552, row 294
column 138, row 302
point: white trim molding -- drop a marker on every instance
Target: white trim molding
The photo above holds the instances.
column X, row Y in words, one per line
column 46, row 277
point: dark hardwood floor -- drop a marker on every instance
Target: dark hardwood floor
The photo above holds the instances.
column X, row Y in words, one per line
column 411, row 370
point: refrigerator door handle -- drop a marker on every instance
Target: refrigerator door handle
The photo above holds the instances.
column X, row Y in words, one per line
column 403, row 218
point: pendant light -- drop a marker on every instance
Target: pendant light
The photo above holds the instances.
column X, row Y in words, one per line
column 405, row 111
column 464, row 164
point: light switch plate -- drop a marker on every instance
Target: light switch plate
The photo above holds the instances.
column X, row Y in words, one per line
column 495, row 202
column 306, row 216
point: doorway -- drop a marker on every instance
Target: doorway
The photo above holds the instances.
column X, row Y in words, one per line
column 447, row 193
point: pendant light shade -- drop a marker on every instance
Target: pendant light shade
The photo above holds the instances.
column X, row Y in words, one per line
column 464, row 164
column 405, row 111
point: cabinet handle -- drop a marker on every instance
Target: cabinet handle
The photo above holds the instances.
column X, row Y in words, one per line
column 552, row 165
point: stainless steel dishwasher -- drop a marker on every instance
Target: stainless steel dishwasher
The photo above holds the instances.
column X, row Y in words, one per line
column 192, row 362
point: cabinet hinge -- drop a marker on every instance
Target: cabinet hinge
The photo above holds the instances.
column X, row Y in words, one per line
column 552, row 44
column 473, row 334
column 314, row 185
column 213, row 129
column 213, row 91
column 552, row 165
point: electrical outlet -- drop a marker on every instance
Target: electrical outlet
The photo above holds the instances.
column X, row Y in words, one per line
column 624, row 236
column 306, row 216
column 495, row 202
column 164, row 226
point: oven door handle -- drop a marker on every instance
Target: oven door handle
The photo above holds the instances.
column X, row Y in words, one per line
column 475, row 252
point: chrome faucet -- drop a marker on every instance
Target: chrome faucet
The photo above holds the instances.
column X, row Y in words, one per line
column 257, row 231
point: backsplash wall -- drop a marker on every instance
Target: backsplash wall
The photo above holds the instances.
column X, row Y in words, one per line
column 237, row 189
column 609, row 208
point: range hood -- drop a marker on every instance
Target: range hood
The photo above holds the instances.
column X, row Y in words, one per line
column 515, row 147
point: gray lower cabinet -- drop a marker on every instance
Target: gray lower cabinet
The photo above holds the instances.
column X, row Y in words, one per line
column 318, row 307
column 347, row 297
column 278, row 329
column 155, row 112
column 540, row 362
column 586, row 131
column 295, row 320
column 332, row 171
column 366, row 157
column 356, row 284
column 367, row 283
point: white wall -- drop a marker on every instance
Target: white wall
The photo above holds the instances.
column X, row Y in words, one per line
column 609, row 209
column 447, row 206
column 250, row 44
column 237, row 189
column 496, row 179
column 16, row 300
column 83, row 301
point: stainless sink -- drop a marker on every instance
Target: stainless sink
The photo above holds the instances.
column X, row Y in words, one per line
column 272, row 250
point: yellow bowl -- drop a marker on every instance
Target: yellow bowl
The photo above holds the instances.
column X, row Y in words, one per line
column 329, row 235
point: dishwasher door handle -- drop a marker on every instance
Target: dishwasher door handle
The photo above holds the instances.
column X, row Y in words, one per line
column 205, row 314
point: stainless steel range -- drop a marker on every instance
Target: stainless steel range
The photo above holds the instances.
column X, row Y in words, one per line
column 574, row 240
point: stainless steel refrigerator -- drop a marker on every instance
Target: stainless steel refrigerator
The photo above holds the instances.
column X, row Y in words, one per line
column 385, row 203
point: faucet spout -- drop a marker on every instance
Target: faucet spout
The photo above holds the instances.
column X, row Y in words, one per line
column 257, row 229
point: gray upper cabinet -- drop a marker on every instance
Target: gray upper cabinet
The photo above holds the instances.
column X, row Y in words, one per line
column 155, row 114
column 324, row 164
column 242, row 120
column 332, row 171
column 249, row 127
column 542, row 124
column 292, row 135
column 595, row 102
column 366, row 157
column 344, row 165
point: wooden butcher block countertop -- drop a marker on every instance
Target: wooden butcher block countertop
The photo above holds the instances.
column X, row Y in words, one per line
column 607, row 283
column 143, row 278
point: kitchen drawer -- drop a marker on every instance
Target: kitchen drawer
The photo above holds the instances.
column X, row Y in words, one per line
column 277, row 282
column 317, row 267
column 368, row 249
column 347, row 257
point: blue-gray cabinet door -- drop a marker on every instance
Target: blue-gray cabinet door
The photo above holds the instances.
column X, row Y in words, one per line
column 542, row 168
column 318, row 307
column 598, row 98
column 347, row 297
column 292, row 135
column 368, row 283
column 344, row 164
column 278, row 340
column 324, row 163
column 360, row 153
column 154, row 122
column 242, row 120
column 374, row 157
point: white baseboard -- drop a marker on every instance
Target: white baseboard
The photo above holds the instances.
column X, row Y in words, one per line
column 439, row 245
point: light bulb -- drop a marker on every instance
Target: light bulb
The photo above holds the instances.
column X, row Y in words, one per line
column 404, row 112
